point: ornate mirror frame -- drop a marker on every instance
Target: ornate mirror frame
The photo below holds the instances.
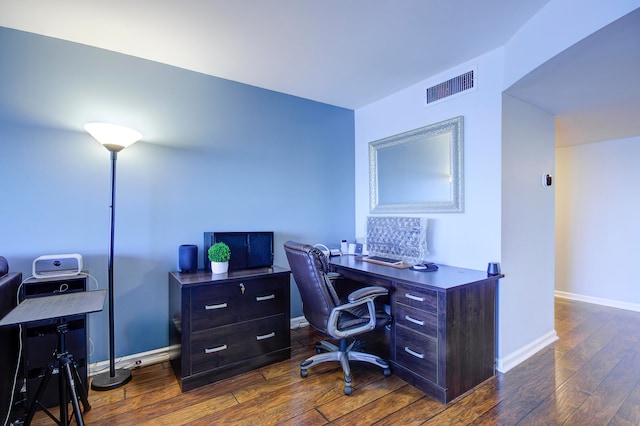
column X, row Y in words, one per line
column 419, row 171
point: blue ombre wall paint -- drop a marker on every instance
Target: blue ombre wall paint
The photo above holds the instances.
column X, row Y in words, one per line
column 216, row 156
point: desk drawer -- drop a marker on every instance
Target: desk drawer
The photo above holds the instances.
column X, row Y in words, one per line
column 417, row 352
column 216, row 305
column 416, row 320
column 419, row 298
column 369, row 280
column 225, row 345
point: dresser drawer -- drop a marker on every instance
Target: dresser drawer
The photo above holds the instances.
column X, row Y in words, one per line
column 213, row 305
column 233, row 343
column 416, row 320
column 417, row 352
column 419, row 298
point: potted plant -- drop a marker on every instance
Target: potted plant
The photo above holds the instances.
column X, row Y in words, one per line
column 219, row 255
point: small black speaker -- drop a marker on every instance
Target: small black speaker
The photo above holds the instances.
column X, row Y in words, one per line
column 188, row 258
column 4, row 266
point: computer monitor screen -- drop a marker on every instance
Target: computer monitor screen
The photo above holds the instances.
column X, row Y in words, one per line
column 248, row 249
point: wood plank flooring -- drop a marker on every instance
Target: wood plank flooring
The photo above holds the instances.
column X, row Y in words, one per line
column 591, row 376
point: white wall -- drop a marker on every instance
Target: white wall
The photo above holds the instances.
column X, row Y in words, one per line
column 557, row 26
column 526, row 319
column 597, row 232
column 512, row 223
column 509, row 216
column 470, row 239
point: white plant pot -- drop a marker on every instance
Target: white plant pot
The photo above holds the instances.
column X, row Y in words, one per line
column 219, row 267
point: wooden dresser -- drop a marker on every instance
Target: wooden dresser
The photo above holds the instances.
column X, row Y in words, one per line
column 443, row 330
column 225, row 324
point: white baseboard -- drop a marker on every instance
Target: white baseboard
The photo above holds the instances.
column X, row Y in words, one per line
column 299, row 322
column 599, row 301
column 136, row 360
column 160, row 355
column 505, row 364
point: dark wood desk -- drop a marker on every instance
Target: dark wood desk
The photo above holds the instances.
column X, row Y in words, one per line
column 443, row 331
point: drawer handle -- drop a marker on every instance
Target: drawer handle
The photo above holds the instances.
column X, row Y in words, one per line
column 212, row 350
column 220, row 306
column 263, row 298
column 266, row 336
column 416, row 354
column 412, row 297
column 413, row 320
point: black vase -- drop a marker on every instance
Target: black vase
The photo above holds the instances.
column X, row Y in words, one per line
column 188, row 258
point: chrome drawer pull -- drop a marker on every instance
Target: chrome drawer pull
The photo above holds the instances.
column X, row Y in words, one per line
column 413, row 320
column 212, row 350
column 412, row 297
column 416, row 354
column 266, row 336
column 220, row 306
column 263, row 298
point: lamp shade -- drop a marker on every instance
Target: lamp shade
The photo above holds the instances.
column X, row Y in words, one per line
column 113, row 136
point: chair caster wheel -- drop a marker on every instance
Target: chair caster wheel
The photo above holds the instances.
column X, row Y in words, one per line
column 386, row 372
column 304, row 373
column 347, row 390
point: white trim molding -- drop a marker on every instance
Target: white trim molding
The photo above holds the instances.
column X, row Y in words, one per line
column 299, row 322
column 599, row 301
column 162, row 354
column 141, row 359
column 507, row 363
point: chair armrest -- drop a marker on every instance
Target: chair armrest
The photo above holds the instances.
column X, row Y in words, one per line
column 361, row 293
column 359, row 297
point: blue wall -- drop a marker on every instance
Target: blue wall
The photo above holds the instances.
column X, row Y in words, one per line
column 216, row 156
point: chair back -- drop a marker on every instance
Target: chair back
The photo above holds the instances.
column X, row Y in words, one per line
column 309, row 268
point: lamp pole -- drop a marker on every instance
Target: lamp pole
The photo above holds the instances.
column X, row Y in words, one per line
column 115, row 378
column 114, row 138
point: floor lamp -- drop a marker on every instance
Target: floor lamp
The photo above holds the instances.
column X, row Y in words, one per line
column 114, row 138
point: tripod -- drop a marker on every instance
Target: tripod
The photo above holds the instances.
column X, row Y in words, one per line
column 60, row 307
column 69, row 383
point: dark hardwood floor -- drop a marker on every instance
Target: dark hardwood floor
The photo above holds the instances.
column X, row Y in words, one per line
column 591, row 376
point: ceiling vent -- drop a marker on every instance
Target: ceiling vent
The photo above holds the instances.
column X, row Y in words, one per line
column 458, row 85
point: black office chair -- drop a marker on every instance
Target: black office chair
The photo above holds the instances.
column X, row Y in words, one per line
column 333, row 317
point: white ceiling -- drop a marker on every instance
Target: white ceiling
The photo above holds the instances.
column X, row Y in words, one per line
column 342, row 52
column 350, row 53
column 593, row 87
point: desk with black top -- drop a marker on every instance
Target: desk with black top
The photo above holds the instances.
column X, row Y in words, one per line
column 443, row 330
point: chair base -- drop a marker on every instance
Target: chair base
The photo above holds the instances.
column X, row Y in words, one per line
column 344, row 353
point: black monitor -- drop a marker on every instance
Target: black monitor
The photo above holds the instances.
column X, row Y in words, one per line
column 248, row 249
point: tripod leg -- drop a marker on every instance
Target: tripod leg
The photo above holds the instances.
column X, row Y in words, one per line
column 36, row 399
column 82, row 388
column 62, row 395
column 72, row 390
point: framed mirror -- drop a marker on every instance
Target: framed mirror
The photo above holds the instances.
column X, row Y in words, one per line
column 418, row 171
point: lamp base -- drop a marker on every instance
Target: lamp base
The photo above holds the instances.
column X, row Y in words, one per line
column 104, row 381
